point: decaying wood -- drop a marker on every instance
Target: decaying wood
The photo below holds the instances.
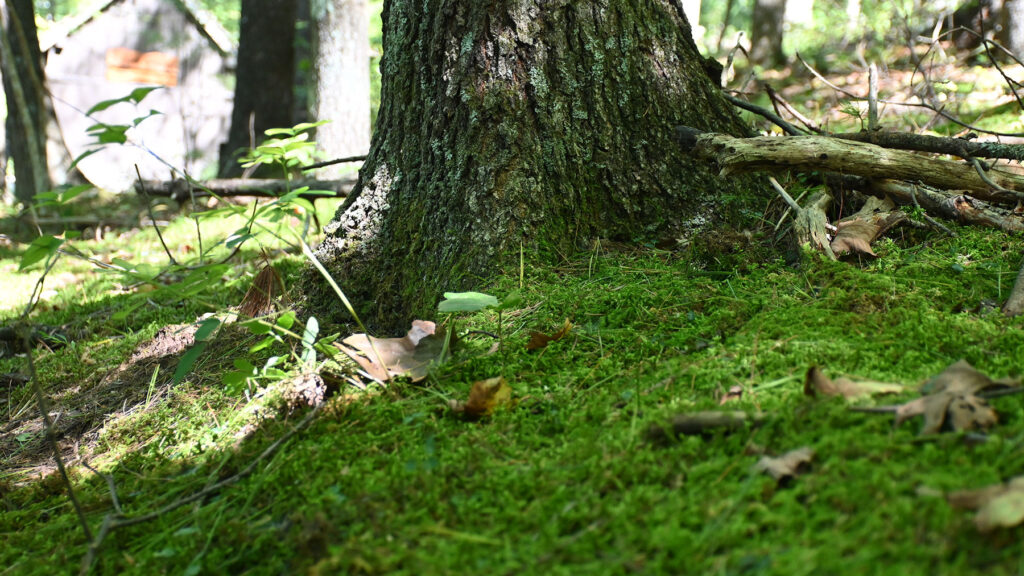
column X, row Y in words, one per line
column 178, row 189
column 937, row 144
column 855, row 233
column 826, row 154
column 949, row 204
column 811, row 224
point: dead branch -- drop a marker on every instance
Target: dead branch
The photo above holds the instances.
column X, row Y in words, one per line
column 178, row 190
column 952, row 205
column 937, row 145
column 825, row 154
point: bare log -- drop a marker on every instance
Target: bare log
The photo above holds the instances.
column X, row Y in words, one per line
column 178, row 189
column 826, row 154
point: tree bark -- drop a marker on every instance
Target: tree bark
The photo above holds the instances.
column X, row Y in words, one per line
column 509, row 124
column 26, row 109
column 263, row 78
column 341, row 72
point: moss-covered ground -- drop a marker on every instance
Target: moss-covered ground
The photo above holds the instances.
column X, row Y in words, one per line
column 564, row 480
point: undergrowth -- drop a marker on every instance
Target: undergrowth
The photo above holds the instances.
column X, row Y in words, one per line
column 564, row 481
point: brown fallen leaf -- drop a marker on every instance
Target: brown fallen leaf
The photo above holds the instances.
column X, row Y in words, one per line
column 734, row 393
column 539, row 340
column 998, row 506
column 410, row 355
column 790, row 464
column 484, row 397
column 952, row 401
column 816, row 382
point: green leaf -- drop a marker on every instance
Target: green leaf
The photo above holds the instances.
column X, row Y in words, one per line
column 286, row 320
column 40, row 249
column 466, row 302
column 83, row 156
column 207, row 328
column 308, row 339
column 139, row 94
column 140, row 119
column 70, row 194
column 234, row 380
column 512, row 300
column 307, row 125
column 257, row 327
column 244, row 365
column 262, row 344
column 187, row 361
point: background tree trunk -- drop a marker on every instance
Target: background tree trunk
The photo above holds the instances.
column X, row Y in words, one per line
column 768, row 20
column 507, row 124
column 263, row 78
column 1011, row 31
column 23, row 87
column 341, row 86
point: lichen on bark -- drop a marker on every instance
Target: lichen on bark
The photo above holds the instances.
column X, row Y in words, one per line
column 546, row 123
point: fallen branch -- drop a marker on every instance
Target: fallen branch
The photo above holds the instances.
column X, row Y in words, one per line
column 826, row 154
column 178, row 190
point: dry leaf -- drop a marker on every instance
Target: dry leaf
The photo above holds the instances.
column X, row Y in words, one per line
column 411, row 355
column 952, row 401
column 484, row 397
column 854, row 236
column 790, row 464
column 259, row 298
column 999, row 505
column 734, row 393
column 817, row 383
column 539, row 340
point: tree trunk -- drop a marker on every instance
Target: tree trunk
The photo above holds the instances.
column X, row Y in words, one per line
column 26, row 109
column 768, row 19
column 1011, row 32
column 509, row 124
column 341, row 72
column 263, row 78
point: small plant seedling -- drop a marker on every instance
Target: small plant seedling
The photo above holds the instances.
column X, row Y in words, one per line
column 474, row 302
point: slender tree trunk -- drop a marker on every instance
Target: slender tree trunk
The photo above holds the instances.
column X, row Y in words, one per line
column 768, row 18
column 23, row 86
column 1011, row 32
column 508, row 124
column 341, row 87
column 263, row 79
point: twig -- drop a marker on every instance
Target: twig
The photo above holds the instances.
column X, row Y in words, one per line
column 773, row 117
column 41, row 402
column 333, row 162
column 929, row 219
column 926, row 106
column 779, row 100
column 152, row 217
column 110, row 485
column 117, row 520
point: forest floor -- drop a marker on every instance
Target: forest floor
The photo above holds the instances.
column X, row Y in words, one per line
column 576, row 469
